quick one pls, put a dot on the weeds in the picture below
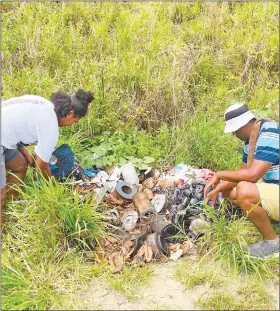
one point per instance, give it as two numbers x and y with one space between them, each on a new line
149 64
251 296
130 280
224 242
42 258
162 75
191 275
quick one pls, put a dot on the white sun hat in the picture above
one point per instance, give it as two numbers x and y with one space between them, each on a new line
236 116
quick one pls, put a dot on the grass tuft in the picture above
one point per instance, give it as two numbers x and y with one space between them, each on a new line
191 275
130 281
251 296
224 241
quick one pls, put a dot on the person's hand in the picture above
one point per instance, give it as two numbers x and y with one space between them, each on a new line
212 182
212 196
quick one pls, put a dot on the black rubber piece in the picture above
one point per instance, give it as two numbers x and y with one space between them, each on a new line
193 211
139 241
161 243
185 202
187 193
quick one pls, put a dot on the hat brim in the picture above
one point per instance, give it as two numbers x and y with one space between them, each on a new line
235 124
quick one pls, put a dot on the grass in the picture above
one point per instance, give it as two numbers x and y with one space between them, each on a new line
251 296
130 281
222 291
148 64
162 75
193 274
42 254
224 241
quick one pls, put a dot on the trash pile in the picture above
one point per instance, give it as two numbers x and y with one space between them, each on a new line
154 215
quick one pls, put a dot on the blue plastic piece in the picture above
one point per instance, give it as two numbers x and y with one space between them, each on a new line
65 162
89 173
201 203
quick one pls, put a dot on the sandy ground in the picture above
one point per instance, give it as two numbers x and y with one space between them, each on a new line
163 293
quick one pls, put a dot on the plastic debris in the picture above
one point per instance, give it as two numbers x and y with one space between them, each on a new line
176 255
145 219
158 202
129 220
129 174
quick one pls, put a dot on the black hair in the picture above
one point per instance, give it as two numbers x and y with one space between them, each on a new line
64 103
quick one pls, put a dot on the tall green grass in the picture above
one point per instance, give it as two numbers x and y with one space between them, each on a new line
224 239
46 235
148 64
162 75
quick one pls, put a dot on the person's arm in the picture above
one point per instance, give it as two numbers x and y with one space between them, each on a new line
43 167
252 174
47 135
220 187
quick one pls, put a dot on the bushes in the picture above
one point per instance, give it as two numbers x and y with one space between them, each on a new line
147 63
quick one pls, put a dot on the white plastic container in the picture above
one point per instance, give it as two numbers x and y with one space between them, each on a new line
129 174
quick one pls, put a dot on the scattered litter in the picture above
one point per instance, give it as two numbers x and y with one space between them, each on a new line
148 215
129 220
129 174
158 244
141 202
176 255
158 202
149 193
125 190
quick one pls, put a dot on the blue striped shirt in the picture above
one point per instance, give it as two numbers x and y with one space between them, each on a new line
267 149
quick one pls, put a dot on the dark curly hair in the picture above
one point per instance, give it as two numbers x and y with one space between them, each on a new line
64 103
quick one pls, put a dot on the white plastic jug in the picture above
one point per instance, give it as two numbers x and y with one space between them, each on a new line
129 174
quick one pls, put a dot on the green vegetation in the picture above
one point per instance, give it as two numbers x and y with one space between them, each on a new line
42 253
251 296
149 64
162 75
222 292
191 275
224 241
130 281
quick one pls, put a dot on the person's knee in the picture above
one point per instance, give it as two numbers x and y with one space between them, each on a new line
226 194
242 191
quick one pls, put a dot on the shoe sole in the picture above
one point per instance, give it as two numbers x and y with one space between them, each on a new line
269 256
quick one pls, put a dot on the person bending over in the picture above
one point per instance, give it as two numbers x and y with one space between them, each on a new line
32 119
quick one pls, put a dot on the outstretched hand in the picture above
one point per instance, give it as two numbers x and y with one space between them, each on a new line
212 196
211 183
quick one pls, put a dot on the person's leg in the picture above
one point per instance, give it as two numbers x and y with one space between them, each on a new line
230 194
17 164
248 199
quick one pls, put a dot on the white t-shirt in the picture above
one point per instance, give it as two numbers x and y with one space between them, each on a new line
29 119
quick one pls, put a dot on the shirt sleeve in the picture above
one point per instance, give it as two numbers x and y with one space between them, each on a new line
47 133
268 146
